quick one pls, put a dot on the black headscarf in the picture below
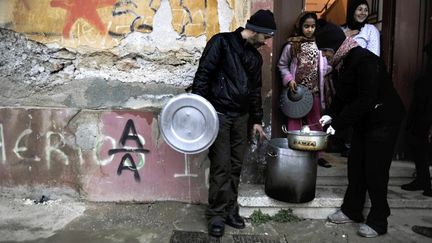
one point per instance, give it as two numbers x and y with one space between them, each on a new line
350 21
329 35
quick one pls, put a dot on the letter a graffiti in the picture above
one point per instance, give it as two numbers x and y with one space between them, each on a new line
131 167
129 133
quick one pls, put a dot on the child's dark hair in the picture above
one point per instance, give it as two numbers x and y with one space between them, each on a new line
302 18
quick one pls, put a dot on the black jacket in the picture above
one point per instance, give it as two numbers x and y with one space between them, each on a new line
365 96
419 117
229 76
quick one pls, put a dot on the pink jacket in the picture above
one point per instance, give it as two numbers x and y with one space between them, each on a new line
288 65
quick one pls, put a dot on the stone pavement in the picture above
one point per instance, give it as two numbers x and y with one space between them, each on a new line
64 219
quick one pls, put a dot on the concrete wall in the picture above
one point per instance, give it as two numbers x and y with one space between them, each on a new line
76 75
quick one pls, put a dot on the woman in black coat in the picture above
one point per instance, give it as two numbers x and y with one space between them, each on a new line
366 100
419 126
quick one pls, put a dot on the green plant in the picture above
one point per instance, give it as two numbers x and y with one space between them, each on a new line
259 217
285 216
282 216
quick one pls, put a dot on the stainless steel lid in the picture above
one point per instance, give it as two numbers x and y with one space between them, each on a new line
189 123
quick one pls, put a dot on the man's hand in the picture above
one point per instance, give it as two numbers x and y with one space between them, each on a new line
325 120
257 128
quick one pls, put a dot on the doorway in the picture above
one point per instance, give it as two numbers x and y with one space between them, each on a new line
286 12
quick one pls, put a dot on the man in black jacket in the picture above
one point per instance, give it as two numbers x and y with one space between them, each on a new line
366 100
229 76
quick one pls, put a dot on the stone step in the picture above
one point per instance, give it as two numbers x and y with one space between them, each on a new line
327 199
331 186
399 168
401 172
343 181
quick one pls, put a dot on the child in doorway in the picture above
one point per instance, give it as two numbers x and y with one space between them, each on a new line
302 63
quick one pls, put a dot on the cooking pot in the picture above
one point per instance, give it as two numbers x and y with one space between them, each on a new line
306 141
290 175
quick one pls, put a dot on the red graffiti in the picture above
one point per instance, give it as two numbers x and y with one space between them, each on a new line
85 9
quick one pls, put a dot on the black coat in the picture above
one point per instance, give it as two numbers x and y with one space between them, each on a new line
229 76
419 117
365 96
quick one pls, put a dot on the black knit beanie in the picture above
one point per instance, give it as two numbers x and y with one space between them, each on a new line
263 22
350 21
329 35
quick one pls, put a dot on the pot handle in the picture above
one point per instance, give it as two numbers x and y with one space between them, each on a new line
284 129
272 154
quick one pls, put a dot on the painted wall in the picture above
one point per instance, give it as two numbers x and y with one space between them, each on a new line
104 155
82 83
103 23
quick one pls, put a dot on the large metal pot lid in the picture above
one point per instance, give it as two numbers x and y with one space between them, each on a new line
189 123
296 105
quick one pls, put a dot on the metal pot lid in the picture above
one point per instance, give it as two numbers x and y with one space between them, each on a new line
189 123
296 105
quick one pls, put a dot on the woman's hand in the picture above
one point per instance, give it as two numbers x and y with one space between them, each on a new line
325 120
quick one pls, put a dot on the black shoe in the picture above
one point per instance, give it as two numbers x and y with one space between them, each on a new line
235 221
324 163
426 231
412 186
216 226
427 193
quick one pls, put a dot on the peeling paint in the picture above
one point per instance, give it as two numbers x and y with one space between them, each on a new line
86 136
225 16
102 24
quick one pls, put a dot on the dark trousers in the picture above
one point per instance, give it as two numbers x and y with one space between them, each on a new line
420 147
226 157
368 171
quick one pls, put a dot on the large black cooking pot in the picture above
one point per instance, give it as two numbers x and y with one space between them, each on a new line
290 175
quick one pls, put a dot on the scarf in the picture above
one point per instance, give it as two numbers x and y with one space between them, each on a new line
296 42
343 50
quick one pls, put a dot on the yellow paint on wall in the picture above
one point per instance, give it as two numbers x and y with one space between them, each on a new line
101 24
212 19
73 23
241 10
5 12
194 18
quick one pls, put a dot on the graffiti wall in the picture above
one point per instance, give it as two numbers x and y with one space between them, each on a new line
96 74
103 23
106 156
